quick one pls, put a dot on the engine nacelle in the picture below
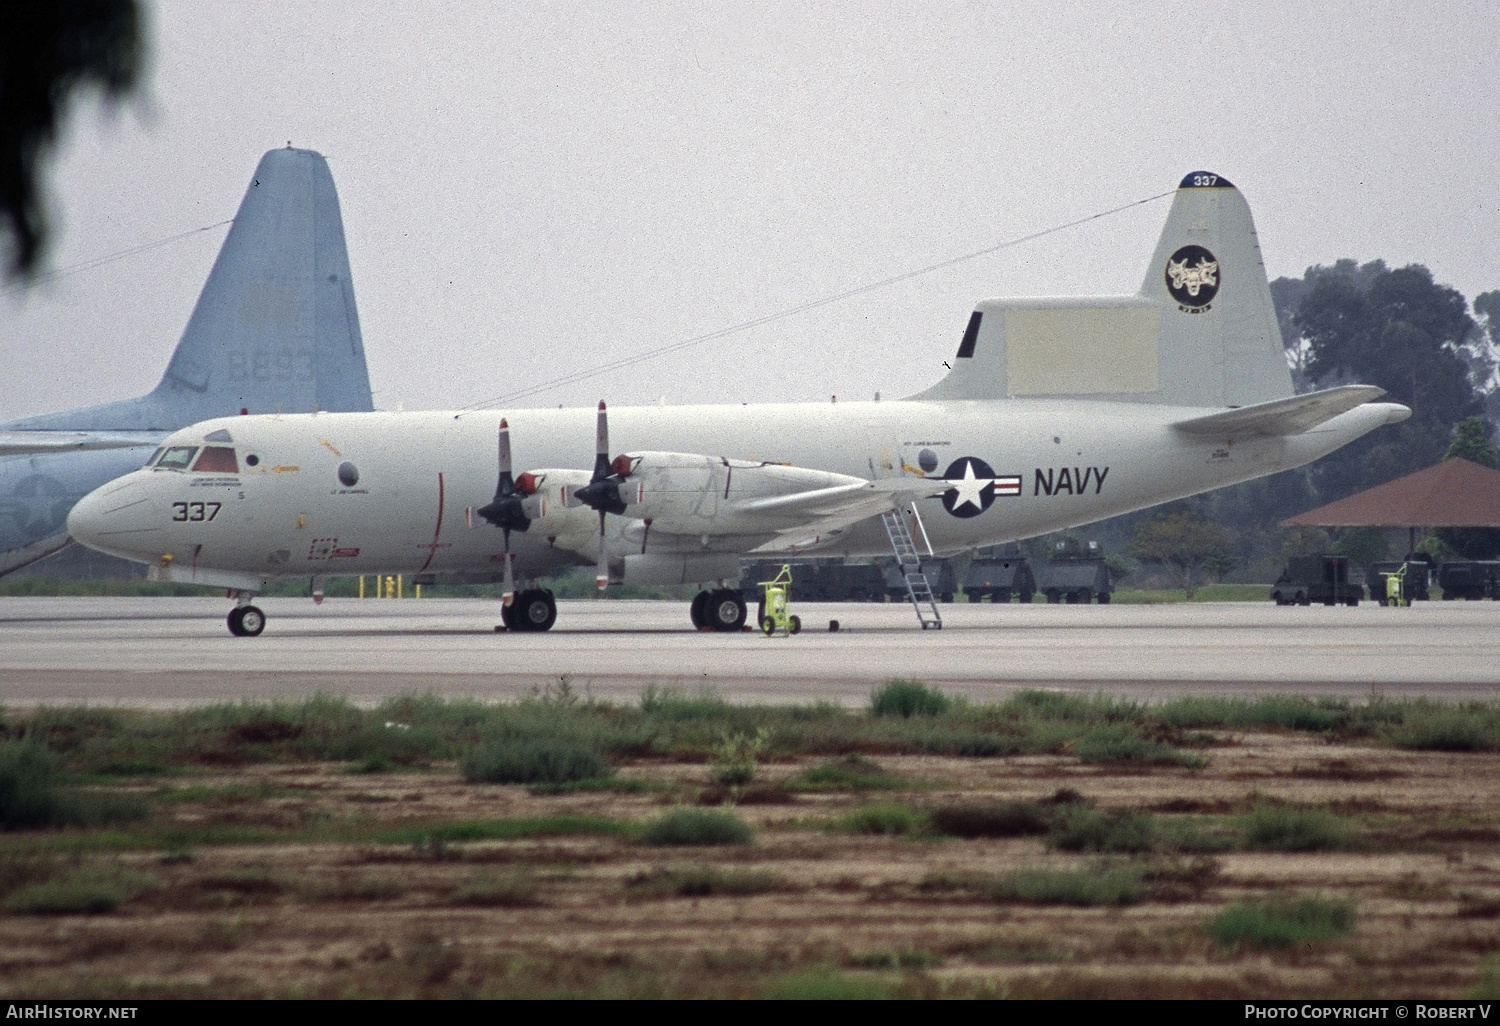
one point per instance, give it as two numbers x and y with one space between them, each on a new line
686 493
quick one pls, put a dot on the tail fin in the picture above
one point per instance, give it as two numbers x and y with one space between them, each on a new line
1201 332
275 327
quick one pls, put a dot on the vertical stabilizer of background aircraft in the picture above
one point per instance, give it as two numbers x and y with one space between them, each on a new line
1201 332
274 329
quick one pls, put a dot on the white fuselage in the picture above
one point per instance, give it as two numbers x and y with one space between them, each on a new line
422 476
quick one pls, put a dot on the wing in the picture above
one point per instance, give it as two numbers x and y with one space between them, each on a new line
23 443
1283 416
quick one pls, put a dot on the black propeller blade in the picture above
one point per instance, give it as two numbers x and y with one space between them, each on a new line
602 493
506 510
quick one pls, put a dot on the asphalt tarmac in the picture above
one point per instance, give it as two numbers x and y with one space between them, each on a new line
177 651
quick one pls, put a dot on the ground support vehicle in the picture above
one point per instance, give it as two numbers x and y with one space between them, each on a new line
1324 579
1414 585
1470 580
999 572
775 614
1076 574
818 580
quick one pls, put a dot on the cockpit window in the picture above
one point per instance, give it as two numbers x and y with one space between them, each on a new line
154 456
177 457
217 459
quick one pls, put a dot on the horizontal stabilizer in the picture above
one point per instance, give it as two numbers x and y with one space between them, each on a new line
24 443
25 555
1283 416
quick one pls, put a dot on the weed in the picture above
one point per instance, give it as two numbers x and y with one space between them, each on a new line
519 761
697 827
1488 987
1100 884
993 819
28 786
908 698
848 773
1280 923
1288 828
735 756
890 819
501 890
701 881
1080 828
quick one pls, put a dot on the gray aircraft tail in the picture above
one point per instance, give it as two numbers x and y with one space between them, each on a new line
275 327
1202 331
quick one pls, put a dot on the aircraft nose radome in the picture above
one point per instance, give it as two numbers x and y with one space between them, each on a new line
114 518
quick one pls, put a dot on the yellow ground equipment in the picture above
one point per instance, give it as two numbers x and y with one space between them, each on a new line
777 593
1395 588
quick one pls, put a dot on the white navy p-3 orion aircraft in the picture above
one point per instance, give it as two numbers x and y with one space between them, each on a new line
1056 413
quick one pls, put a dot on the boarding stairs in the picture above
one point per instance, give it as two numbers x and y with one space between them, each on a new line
910 565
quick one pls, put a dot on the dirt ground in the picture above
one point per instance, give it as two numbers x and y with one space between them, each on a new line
836 911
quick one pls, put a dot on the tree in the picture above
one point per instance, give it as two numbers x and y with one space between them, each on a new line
1181 543
1404 332
49 50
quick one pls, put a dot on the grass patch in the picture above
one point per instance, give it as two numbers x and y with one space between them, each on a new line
1101 884
908 698
827 985
1123 742
1080 828
994 819
848 773
697 827
888 819
1281 923
1288 828
1449 730
85 890
702 881
911 959
497 890
490 830
31 795
531 761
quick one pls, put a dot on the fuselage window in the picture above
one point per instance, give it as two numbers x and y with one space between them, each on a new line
217 459
154 456
177 457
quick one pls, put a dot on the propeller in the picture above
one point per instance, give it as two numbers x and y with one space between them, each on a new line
602 493
507 510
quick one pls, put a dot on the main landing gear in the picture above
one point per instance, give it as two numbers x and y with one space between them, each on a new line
246 621
531 610
722 609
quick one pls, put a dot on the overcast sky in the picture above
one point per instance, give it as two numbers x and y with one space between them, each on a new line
531 189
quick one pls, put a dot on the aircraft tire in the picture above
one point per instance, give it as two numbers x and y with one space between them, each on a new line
508 614
697 611
252 621
234 622
535 610
725 610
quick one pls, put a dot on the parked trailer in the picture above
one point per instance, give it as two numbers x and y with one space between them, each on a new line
1470 580
1324 579
816 580
1075 574
940 578
997 573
